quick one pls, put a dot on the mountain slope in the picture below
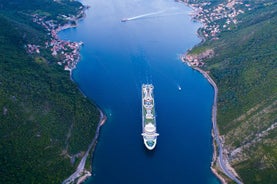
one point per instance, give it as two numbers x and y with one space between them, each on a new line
242 36
46 124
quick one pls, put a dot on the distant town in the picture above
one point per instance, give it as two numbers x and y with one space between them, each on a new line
210 16
214 19
67 50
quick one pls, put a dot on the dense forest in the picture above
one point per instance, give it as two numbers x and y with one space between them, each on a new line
244 67
46 123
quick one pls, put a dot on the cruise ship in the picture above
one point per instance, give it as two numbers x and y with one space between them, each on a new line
148 117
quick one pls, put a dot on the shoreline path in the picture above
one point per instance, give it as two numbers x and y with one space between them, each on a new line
222 162
80 171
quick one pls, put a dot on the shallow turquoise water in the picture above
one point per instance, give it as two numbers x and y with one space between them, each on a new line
117 58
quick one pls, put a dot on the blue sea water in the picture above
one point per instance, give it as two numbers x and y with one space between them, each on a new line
117 58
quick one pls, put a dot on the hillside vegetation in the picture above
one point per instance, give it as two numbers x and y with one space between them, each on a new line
244 67
46 124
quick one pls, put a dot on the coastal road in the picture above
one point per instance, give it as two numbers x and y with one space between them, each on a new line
80 169
221 160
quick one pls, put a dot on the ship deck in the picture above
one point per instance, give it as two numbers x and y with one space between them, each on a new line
148 117
148 105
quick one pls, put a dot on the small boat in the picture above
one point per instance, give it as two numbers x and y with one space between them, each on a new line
124 20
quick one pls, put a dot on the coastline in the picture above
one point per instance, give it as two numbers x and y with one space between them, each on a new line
219 160
214 113
64 108
68 52
76 19
242 118
81 174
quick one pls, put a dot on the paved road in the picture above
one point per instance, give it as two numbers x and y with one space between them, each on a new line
80 169
221 160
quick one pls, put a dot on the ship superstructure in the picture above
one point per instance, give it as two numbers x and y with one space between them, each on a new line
148 117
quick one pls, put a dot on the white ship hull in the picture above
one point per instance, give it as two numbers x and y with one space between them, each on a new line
148 117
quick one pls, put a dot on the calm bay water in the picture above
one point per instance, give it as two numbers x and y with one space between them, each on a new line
117 58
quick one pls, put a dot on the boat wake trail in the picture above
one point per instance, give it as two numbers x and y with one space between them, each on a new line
146 15
161 13
142 16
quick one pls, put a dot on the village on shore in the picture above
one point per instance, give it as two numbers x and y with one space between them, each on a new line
67 51
211 18
214 19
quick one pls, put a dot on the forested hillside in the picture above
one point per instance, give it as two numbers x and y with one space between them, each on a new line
244 67
46 124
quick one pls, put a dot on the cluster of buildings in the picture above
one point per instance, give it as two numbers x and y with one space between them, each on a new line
31 48
216 18
197 59
67 51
